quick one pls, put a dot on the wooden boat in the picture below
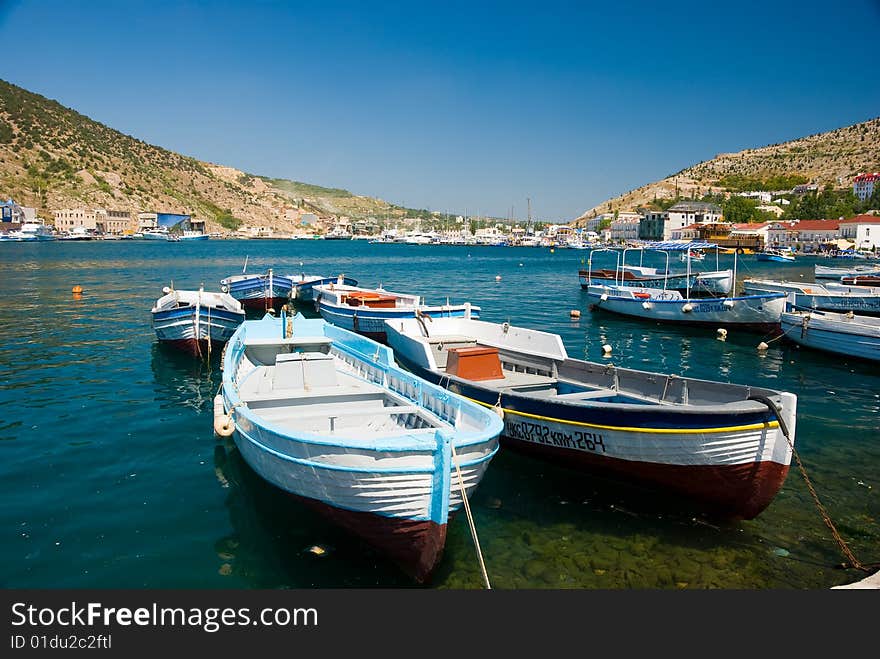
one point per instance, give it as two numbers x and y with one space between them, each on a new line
760 312
195 321
259 291
844 334
825 272
829 296
327 416
365 310
304 285
861 280
757 312
716 282
775 255
624 277
721 444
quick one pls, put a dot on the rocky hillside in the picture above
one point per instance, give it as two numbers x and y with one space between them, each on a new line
831 158
52 157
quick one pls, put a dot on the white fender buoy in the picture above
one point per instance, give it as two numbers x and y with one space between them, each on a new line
646 305
574 313
223 424
688 307
722 334
497 277
762 346
606 349
728 303
499 411
603 297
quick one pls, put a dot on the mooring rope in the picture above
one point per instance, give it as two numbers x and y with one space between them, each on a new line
854 562
470 518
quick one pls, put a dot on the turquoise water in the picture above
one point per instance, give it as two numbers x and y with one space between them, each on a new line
111 475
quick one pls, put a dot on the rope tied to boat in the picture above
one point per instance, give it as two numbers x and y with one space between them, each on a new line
853 561
470 518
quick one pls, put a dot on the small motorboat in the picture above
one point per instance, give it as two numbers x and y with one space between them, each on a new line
775 255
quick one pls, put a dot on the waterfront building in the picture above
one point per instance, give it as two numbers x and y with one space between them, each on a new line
782 234
685 213
811 234
865 184
68 219
652 224
13 213
625 228
863 230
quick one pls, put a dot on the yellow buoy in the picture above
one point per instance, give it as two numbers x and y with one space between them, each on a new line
574 313
77 290
762 346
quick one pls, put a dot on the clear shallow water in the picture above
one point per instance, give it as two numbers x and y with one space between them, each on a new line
111 476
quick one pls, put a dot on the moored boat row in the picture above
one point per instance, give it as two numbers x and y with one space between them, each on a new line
323 412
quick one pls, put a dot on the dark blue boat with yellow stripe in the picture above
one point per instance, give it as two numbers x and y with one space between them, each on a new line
726 446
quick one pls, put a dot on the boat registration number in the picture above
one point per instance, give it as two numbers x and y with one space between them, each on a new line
540 433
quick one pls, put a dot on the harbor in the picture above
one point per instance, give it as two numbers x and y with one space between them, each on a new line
117 479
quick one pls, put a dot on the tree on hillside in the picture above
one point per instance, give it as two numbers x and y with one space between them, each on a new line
740 210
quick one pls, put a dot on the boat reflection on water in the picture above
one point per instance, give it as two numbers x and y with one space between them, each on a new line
183 381
278 542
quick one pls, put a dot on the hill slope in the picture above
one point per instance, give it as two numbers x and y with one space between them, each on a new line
831 158
52 157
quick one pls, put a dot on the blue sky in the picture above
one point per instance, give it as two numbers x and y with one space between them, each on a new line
454 106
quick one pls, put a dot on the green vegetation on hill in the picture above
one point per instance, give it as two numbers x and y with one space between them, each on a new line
742 183
305 189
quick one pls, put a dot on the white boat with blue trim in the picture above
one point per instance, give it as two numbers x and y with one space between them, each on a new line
775 255
304 285
826 272
30 232
758 312
726 446
261 291
829 296
327 416
195 321
365 310
846 334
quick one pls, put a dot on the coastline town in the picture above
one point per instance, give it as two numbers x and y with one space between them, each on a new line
684 221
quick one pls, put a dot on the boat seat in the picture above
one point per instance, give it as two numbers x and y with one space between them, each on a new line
587 395
298 370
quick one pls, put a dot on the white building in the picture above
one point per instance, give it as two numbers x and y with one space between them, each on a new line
813 233
864 185
771 208
763 197
625 229
863 230
686 213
